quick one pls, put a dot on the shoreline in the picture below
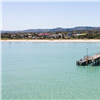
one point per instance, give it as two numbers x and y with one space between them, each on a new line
70 40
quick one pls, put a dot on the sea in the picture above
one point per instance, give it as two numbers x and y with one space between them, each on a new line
48 70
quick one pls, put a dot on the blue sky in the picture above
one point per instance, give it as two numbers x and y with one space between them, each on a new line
47 15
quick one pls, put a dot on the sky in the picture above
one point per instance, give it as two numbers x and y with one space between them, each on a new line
47 15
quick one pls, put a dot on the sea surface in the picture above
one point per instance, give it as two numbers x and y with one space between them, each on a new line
48 71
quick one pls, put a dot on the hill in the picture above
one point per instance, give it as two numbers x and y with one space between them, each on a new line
59 29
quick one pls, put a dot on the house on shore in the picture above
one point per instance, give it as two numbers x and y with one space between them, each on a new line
66 37
78 34
34 37
54 36
22 36
59 35
70 34
44 35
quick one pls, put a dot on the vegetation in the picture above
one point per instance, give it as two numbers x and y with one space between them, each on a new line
85 34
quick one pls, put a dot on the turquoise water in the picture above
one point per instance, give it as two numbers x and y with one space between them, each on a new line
48 71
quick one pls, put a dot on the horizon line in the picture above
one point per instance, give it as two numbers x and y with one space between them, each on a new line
49 28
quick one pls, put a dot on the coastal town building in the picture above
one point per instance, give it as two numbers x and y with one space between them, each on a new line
66 37
44 34
60 35
54 36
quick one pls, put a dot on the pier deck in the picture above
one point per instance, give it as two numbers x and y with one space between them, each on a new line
89 60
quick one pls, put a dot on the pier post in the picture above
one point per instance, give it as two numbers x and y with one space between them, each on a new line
89 61
78 64
86 61
97 60
92 62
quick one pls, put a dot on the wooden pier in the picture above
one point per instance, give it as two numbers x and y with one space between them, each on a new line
89 60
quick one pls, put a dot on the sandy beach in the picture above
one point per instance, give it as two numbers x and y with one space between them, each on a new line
78 40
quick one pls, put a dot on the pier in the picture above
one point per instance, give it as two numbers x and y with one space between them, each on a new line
95 59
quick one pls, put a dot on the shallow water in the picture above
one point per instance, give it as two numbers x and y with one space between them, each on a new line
48 71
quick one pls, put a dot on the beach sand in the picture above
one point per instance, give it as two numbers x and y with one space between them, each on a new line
60 40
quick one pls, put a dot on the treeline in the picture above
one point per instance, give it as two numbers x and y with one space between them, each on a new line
93 34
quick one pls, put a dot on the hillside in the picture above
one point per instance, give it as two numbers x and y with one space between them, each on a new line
59 29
